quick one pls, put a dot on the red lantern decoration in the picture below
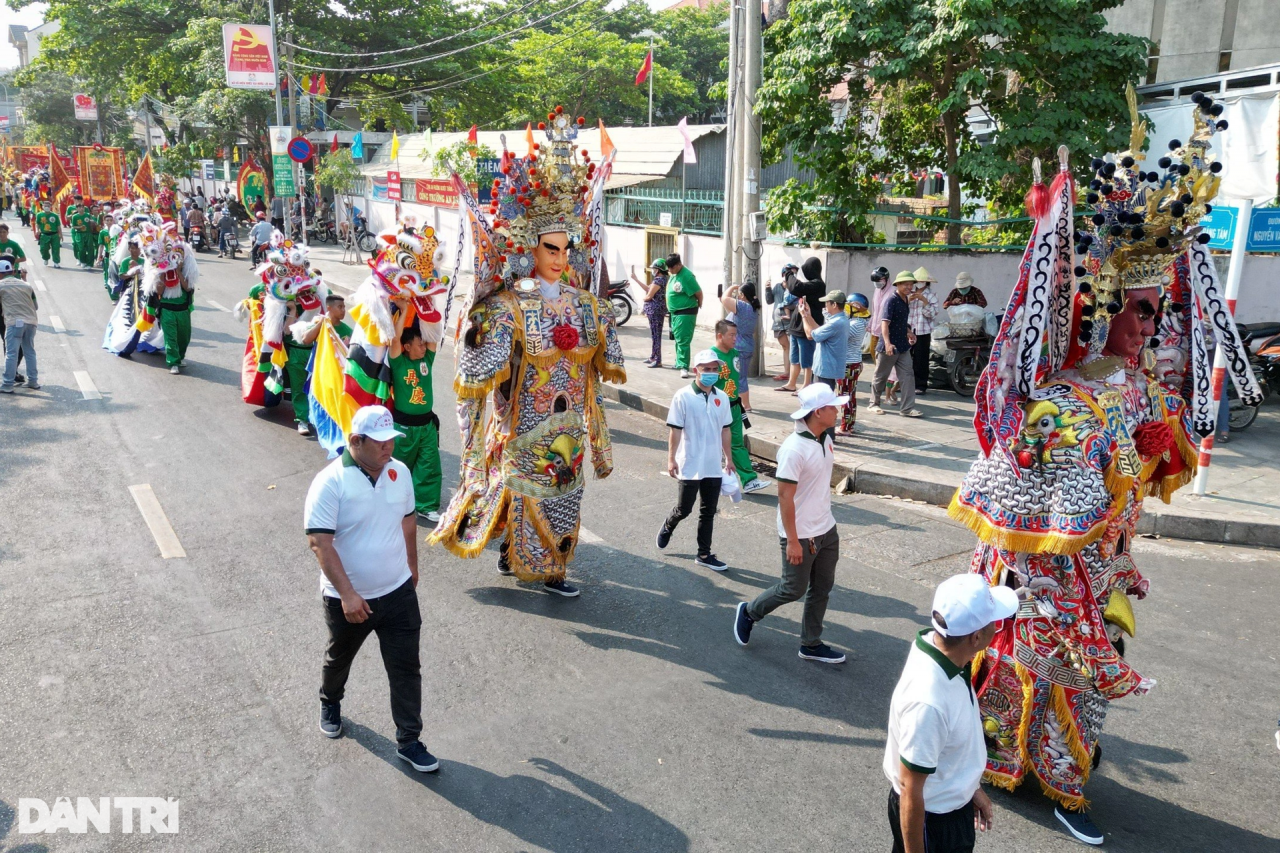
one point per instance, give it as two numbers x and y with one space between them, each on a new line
582 120
542 125
559 110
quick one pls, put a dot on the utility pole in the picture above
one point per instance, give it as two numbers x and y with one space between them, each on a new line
146 118
293 125
275 45
741 109
751 248
730 134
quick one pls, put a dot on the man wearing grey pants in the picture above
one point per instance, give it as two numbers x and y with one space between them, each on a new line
894 349
806 527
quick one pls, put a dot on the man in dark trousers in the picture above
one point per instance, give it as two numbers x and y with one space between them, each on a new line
811 290
893 349
362 526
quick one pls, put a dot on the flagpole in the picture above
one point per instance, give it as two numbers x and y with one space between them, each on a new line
650 81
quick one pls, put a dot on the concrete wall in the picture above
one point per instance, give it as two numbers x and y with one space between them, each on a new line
1191 37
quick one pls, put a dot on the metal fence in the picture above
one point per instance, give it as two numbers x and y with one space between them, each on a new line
899 226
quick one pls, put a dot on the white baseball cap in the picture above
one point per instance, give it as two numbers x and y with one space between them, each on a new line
705 356
814 397
375 422
968 603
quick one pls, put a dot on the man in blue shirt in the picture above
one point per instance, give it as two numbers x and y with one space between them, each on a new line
894 348
831 337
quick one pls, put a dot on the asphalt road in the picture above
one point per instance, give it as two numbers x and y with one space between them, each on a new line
625 720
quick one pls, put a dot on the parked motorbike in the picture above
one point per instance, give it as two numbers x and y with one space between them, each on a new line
621 300
961 347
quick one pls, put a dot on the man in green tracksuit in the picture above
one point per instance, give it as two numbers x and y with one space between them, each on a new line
82 222
726 336
412 360
176 304
49 229
103 247
684 298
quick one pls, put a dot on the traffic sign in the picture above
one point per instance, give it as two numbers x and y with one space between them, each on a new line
1220 224
300 149
393 186
1264 230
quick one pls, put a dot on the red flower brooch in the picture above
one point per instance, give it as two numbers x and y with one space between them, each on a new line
1153 439
565 337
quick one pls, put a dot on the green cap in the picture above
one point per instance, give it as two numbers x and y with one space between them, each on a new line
905 276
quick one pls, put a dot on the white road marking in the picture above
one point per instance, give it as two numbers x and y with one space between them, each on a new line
40 285
157 521
213 304
585 535
56 322
87 388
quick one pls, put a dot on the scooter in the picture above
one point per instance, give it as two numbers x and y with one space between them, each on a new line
197 238
232 243
621 300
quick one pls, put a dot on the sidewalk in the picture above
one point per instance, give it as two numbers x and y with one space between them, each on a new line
926 458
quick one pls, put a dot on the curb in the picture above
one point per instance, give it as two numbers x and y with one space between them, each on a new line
872 478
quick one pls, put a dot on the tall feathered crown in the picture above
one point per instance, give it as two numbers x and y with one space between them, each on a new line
543 192
1142 220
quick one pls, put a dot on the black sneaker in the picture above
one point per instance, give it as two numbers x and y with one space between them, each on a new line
742 624
504 566
568 590
822 653
330 719
417 757
711 561
664 537
1080 825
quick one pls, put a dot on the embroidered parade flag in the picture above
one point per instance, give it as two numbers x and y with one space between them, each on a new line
645 69
144 180
690 156
395 145
357 147
101 171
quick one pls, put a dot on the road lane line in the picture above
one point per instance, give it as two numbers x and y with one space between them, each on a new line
87 388
213 304
585 535
157 521
58 329
40 285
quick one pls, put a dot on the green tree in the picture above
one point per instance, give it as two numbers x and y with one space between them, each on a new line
461 158
49 114
1048 73
337 171
693 45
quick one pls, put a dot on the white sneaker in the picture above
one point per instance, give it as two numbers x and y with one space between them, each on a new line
684 374
433 517
304 429
756 485
875 410
57 266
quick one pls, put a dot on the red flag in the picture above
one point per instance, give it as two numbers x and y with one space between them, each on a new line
323 88
60 185
472 137
643 74
528 137
333 146
606 144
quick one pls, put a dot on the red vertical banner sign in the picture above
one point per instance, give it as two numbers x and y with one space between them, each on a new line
393 186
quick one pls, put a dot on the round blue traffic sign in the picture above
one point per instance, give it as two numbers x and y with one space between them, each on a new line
300 149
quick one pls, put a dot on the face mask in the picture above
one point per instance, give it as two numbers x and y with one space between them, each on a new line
880 285
708 379
920 285
964 290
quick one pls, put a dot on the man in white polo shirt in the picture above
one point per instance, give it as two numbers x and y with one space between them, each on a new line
807 529
361 524
699 444
936 752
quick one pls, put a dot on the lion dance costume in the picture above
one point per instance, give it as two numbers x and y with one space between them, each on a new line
1074 438
344 378
167 262
539 352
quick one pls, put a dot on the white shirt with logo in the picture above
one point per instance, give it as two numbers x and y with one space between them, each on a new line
701 418
807 461
365 520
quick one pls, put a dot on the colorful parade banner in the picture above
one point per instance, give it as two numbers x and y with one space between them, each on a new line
439 193
28 157
251 182
61 187
144 181
101 171
250 56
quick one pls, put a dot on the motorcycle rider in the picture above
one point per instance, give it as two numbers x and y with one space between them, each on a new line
226 226
259 236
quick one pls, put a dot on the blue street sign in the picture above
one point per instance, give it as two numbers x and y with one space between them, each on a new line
208 171
1221 225
1264 230
488 169
300 149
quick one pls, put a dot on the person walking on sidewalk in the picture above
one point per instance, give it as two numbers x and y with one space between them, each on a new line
412 372
923 303
936 749
359 520
806 528
49 230
726 334
655 308
699 453
684 298
830 336
893 350
742 307
18 320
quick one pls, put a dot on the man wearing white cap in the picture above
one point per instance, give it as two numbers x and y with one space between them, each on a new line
936 751
806 528
699 453
361 524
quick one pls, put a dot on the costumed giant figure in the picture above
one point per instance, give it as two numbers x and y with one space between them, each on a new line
1095 397
536 343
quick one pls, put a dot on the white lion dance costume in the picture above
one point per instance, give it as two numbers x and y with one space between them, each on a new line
167 262
346 378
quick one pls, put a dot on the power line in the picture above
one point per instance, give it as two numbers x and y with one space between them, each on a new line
478 26
375 68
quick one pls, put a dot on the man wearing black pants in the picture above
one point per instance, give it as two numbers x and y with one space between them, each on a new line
698 453
361 524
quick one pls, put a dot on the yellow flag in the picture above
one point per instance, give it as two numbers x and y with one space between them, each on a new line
395 145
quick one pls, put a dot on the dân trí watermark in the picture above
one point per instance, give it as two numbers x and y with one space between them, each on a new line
104 814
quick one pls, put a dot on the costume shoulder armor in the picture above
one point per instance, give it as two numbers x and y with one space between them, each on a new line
484 359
